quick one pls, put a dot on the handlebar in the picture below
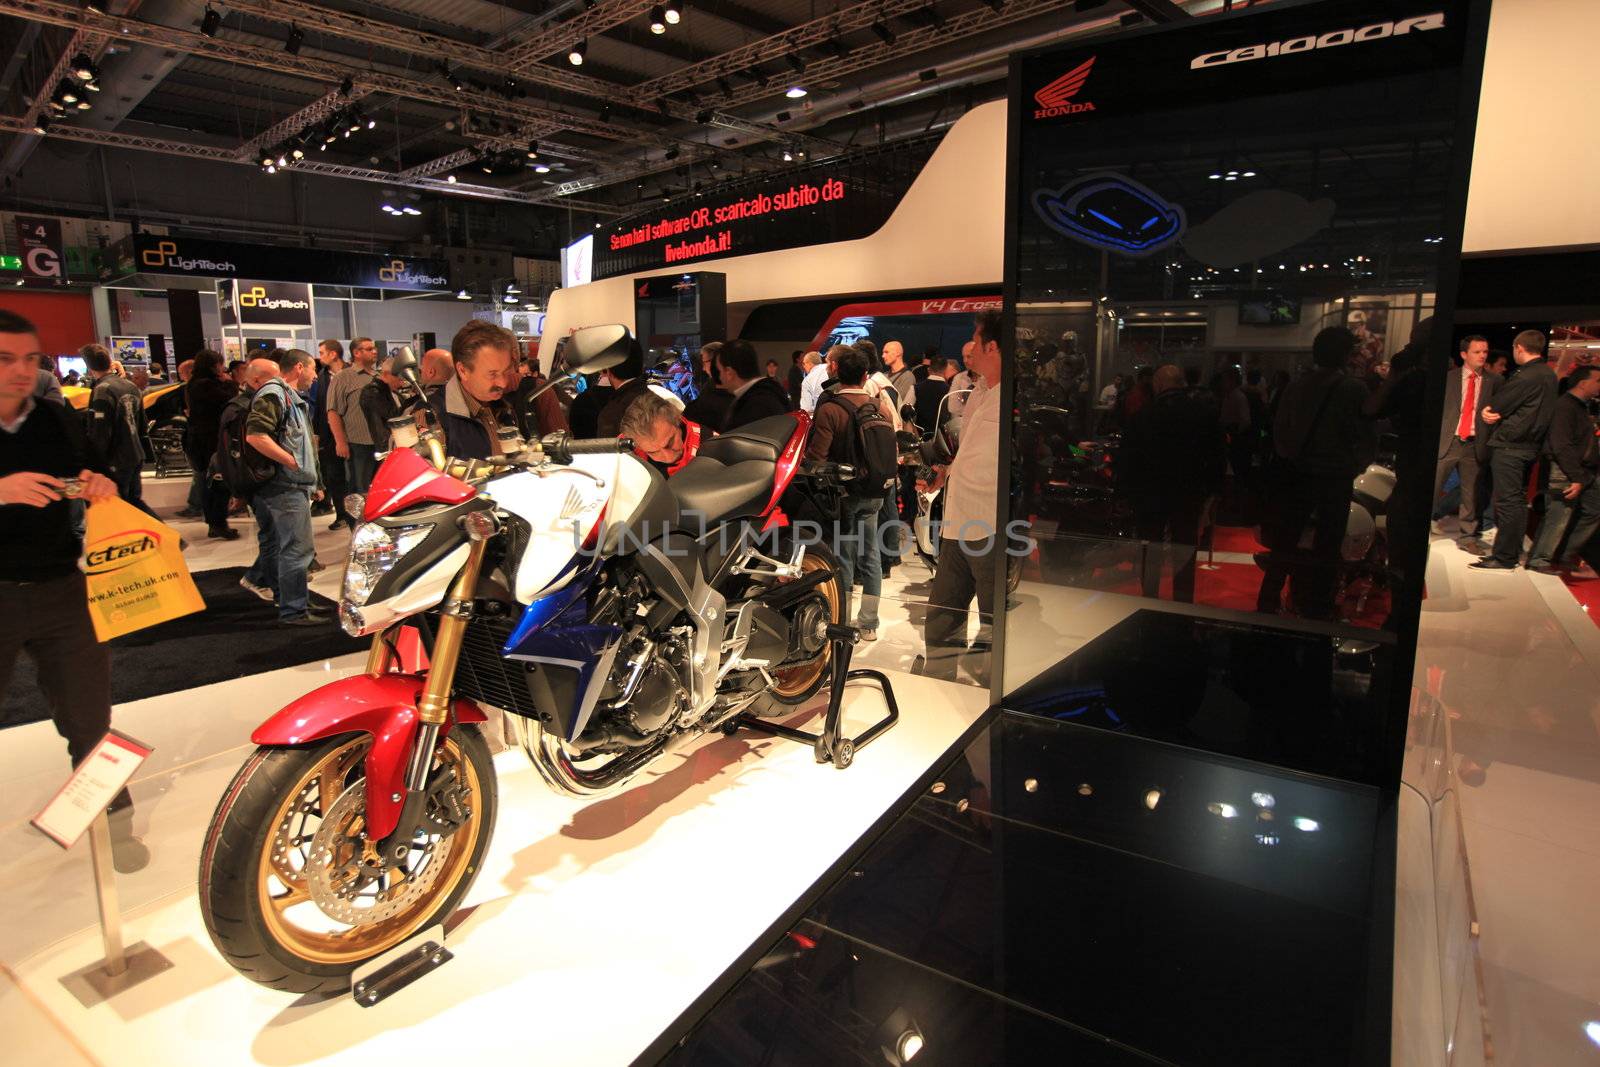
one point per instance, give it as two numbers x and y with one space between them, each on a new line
561 446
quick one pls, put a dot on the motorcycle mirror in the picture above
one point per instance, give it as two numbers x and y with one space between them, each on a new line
598 348
908 412
403 365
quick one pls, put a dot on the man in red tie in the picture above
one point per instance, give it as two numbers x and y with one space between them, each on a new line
1467 391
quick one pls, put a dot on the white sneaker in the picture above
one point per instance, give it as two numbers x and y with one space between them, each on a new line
259 590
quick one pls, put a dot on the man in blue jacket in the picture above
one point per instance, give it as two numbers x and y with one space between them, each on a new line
470 406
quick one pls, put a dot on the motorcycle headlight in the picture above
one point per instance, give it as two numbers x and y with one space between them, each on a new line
374 550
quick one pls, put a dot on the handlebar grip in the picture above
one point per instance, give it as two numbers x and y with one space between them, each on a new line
561 447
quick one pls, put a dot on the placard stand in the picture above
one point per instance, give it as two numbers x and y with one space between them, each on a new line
122 968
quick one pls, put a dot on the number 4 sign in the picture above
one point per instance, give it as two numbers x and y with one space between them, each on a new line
39 241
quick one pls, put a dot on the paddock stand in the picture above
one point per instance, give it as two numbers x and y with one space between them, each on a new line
829 746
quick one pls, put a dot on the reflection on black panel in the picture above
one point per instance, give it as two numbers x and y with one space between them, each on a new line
1300 700
1066 896
1225 254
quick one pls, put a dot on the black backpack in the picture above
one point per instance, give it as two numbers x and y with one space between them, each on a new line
871 448
243 468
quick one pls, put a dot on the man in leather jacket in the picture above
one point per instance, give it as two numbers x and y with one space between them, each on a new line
1573 496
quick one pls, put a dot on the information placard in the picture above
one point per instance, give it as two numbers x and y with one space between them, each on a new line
93 785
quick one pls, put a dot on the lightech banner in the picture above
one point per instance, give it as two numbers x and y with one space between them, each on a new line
813 205
144 253
39 241
251 303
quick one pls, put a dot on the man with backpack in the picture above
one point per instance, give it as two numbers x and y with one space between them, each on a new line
116 424
852 428
278 428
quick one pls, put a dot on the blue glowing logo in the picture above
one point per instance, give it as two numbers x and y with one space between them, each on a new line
1113 212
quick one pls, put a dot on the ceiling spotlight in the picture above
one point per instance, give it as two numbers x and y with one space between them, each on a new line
372 124
510 298
703 117
674 12
266 161
84 68
579 50
533 149
885 34
84 105
41 125
411 210
658 19
451 178
283 160
788 156
347 87
92 86
725 86
272 168
672 153
68 96
298 153
795 92
390 209
487 166
462 294
454 80
1248 174
297 37
794 60
542 168
210 21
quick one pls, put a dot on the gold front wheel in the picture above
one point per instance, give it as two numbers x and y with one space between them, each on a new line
295 897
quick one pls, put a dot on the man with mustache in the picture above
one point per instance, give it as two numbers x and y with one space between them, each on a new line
470 405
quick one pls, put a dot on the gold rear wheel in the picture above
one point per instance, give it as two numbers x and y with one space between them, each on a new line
798 682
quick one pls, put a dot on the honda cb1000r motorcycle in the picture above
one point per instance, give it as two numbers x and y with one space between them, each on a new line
613 614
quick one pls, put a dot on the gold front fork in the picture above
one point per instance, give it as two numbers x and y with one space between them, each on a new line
379 657
434 707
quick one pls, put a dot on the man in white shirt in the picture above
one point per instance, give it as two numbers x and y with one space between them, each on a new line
811 386
971 544
1467 390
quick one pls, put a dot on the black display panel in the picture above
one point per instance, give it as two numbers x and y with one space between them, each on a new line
805 206
1196 212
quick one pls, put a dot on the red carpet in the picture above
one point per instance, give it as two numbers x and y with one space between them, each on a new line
1586 591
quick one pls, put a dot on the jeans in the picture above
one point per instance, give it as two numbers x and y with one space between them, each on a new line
1584 516
1155 518
74 668
284 546
1510 468
360 467
857 543
966 569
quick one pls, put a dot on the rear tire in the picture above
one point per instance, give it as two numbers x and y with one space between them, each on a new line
799 683
252 843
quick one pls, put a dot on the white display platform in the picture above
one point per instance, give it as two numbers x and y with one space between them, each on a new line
593 925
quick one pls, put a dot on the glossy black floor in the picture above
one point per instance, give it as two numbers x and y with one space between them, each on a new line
1068 895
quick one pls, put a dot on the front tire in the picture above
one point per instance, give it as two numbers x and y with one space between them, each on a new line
280 885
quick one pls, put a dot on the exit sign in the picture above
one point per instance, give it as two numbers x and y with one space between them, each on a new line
10 262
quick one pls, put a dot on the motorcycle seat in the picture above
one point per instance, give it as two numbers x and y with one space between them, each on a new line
722 491
763 439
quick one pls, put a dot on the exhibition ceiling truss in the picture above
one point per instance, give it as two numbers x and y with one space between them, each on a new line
734 97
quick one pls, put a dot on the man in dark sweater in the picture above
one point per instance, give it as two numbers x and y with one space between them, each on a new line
833 439
755 396
42 593
116 424
209 391
1324 437
1517 423
1574 464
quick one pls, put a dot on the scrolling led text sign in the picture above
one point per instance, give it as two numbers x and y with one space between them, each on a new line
724 221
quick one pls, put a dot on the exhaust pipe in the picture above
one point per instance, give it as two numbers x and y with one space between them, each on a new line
555 765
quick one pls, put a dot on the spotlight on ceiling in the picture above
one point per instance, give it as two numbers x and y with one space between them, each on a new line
788 156
703 117
283 160
410 209
451 178
389 209
296 38
347 87
210 21
658 19
672 153
462 294
68 96
795 92
298 153
83 67
674 12
41 125
579 50
533 149
266 161
542 168
92 86
885 34
84 105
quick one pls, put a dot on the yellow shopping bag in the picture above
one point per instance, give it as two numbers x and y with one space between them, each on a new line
135 570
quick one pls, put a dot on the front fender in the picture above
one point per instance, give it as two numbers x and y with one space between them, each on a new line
385 708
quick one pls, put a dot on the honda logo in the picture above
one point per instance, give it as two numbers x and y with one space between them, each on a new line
1056 98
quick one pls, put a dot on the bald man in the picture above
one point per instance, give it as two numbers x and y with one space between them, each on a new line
438 367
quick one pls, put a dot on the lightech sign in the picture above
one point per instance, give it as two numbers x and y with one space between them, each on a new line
265 303
1376 31
166 259
156 254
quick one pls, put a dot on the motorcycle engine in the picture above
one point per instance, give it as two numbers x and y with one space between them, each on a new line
644 694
